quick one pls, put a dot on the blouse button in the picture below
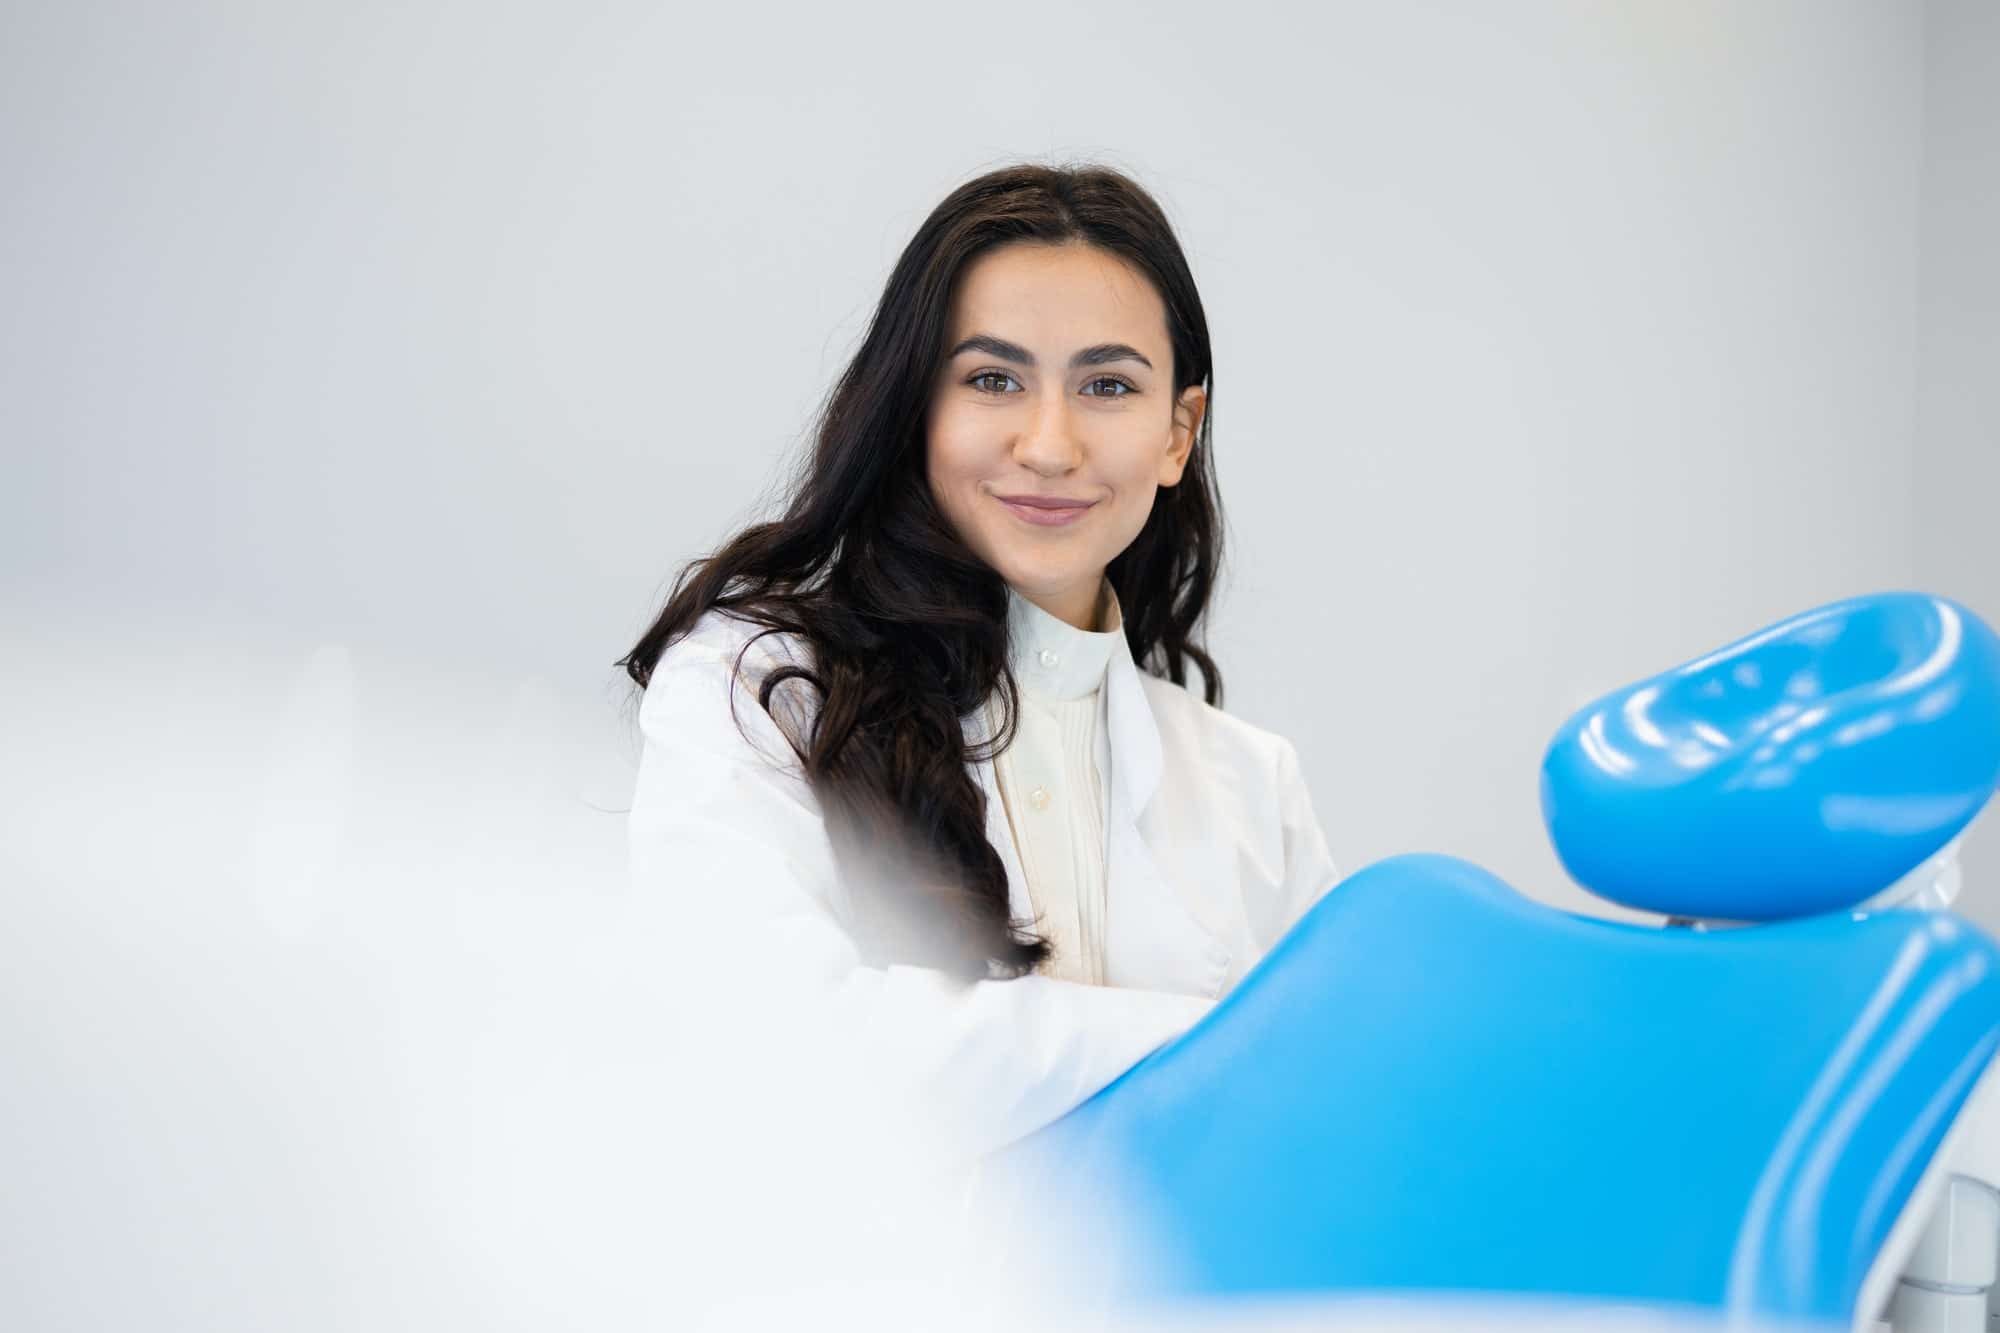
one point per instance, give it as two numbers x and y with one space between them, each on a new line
1047 658
1039 798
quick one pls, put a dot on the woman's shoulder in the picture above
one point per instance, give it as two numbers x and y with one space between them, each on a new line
716 672
1191 724
720 637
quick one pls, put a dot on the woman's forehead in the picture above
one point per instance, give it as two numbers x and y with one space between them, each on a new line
1048 297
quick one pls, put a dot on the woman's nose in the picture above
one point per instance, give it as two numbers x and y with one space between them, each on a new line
1048 443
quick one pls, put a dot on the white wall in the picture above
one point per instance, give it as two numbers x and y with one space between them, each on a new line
1551 349
368 369
1956 520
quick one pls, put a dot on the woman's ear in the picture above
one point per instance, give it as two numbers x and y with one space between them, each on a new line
1187 425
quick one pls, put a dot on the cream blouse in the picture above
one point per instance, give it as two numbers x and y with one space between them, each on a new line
1055 778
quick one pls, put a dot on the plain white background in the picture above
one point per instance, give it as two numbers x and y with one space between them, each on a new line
1555 342
368 369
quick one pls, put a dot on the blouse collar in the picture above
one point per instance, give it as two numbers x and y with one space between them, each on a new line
1054 659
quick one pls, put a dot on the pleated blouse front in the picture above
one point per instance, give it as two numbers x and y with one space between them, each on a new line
1055 777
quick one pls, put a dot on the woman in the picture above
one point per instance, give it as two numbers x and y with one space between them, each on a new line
899 747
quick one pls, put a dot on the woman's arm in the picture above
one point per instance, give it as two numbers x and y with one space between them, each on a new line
732 843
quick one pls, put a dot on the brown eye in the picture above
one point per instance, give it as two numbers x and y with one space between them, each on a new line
1124 387
977 381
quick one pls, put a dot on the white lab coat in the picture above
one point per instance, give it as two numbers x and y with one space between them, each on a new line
1213 850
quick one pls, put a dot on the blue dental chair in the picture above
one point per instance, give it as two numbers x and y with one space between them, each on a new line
1780 1106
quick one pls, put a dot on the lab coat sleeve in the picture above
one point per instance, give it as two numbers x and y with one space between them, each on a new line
727 838
1309 866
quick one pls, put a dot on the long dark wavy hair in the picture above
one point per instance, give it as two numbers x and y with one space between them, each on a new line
906 626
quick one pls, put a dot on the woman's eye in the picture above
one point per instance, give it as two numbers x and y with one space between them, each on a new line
1104 386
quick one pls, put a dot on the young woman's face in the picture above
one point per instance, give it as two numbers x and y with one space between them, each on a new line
1057 386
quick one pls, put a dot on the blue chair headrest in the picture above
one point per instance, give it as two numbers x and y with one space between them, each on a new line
1799 770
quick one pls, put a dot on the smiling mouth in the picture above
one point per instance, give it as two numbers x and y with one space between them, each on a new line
1046 512
1046 501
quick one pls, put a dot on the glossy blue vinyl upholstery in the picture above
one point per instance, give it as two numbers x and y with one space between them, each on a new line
1433 1084
1797 770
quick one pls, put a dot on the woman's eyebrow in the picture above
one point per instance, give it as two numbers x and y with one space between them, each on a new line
1089 356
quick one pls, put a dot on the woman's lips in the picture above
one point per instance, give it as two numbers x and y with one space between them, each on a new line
1049 514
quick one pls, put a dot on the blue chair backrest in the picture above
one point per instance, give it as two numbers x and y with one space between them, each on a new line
1433 1083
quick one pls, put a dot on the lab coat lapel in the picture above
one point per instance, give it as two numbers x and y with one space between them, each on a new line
1152 940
